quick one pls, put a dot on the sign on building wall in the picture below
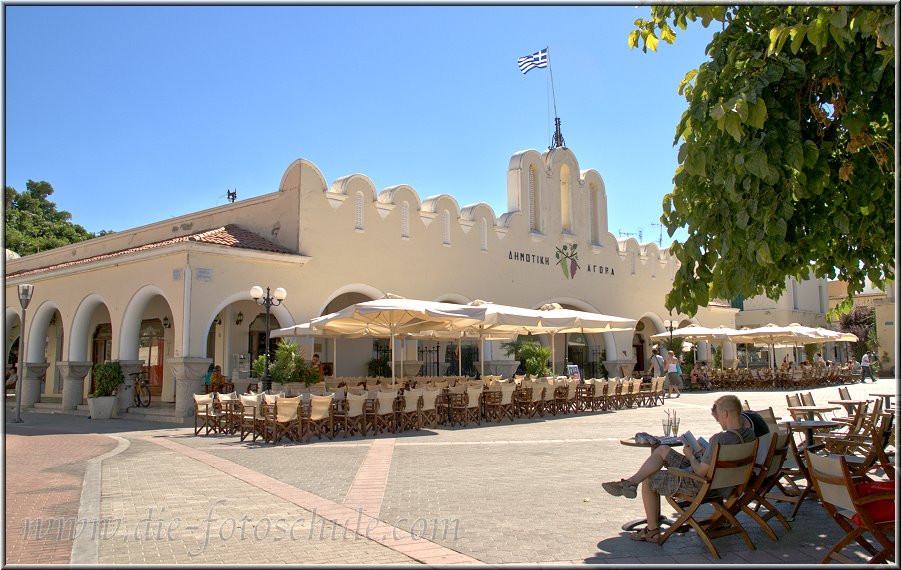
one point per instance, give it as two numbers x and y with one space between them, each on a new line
567 260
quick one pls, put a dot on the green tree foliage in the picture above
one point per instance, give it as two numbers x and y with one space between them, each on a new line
34 224
531 353
786 163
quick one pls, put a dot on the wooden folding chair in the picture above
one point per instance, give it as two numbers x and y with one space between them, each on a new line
320 419
838 494
206 415
429 410
350 418
730 467
507 406
253 419
473 410
757 494
410 416
287 420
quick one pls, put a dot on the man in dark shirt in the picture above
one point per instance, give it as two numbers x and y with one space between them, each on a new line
656 481
755 421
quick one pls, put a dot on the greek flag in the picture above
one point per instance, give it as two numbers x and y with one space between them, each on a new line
530 62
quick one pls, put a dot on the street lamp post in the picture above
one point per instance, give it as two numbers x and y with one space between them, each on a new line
268 301
670 326
25 293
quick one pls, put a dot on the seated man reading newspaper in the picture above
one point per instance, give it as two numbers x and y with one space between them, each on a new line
656 481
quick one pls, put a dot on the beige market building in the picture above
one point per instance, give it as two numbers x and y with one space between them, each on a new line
173 296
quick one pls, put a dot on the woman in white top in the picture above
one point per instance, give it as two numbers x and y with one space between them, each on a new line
672 375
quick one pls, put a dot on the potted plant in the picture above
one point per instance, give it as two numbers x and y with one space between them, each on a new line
532 354
379 367
102 401
289 369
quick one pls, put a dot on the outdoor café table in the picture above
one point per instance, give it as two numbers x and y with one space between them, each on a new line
850 405
810 411
808 426
633 524
886 398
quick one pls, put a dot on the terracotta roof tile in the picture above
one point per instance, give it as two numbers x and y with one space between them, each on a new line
231 235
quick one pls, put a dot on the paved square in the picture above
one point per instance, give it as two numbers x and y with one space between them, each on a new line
521 492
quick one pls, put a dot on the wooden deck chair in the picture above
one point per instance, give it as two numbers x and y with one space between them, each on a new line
320 419
730 467
840 496
549 396
491 403
507 404
253 418
473 410
385 418
844 393
287 420
228 404
206 414
410 416
762 508
635 397
599 397
767 461
864 452
429 408
793 401
350 418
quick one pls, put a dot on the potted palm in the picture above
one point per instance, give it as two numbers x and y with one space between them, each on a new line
102 401
289 369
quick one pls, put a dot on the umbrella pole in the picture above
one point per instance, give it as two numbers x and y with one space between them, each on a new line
335 357
481 356
460 356
392 358
553 355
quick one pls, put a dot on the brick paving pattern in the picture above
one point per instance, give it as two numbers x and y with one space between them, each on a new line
522 492
44 475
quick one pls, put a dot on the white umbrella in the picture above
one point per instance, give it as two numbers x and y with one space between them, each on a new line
306 330
697 332
397 316
773 334
560 320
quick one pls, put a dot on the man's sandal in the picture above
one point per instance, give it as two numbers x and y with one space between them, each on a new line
647 535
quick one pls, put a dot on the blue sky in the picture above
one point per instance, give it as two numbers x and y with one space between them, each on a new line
138 114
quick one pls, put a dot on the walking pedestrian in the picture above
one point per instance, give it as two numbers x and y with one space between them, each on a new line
656 364
865 368
673 375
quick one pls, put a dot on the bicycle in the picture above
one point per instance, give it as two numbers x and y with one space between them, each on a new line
141 390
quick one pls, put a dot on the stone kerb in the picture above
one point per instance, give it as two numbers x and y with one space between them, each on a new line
188 372
126 392
32 381
73 374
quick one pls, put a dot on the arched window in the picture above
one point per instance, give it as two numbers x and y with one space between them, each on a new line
405 220
534 203
483 233
446 227
565 200
593 214
358 211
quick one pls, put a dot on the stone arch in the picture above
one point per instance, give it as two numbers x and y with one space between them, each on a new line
361 288
453 298
36 343
13 322
129 331
80 333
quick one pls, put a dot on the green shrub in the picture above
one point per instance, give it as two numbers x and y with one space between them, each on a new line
289 365
107 377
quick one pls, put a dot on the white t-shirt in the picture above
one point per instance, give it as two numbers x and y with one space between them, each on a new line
865 360
657 361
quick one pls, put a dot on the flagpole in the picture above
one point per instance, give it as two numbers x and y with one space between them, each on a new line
558 136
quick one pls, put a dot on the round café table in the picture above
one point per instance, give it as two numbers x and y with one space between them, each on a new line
662 520
886 398
807 426
851 406
811 411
